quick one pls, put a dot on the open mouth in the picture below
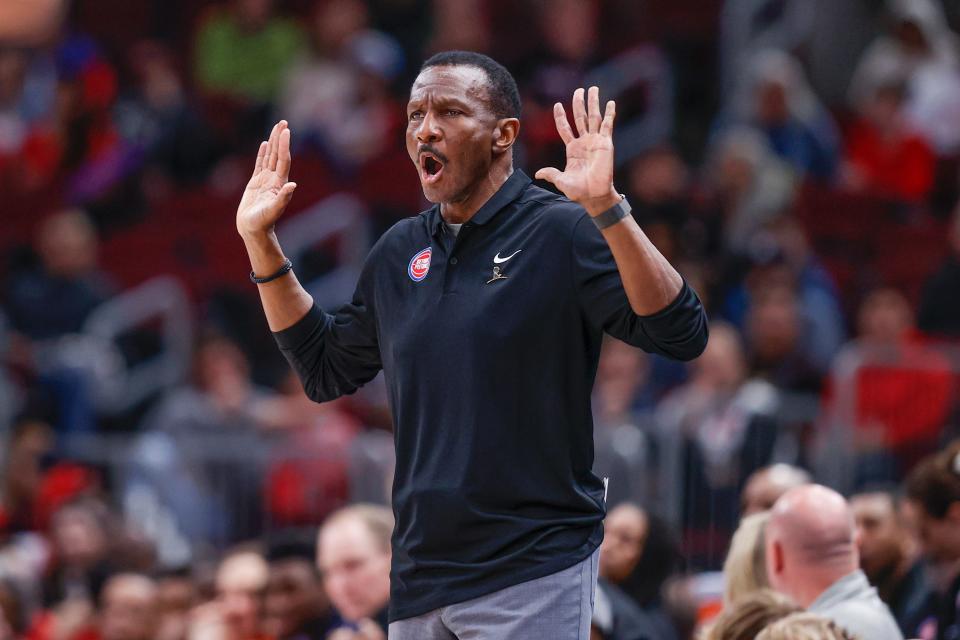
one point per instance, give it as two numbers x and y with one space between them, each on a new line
431 167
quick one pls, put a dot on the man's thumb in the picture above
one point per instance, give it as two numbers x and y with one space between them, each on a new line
548 173
286 191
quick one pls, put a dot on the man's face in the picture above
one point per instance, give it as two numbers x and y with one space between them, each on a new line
129 610
356 570
292 598
760 494
879 535
450 131
240 585
938 537
624 536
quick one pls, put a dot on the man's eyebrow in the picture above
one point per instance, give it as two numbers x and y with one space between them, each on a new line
438 98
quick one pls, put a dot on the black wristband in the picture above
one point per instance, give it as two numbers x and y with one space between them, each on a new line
283 270
613 215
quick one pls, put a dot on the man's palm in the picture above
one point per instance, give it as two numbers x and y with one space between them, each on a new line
268 192
588 174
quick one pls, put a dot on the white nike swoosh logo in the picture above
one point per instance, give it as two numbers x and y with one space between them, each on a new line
497 259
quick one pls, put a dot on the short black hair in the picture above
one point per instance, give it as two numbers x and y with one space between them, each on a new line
503 95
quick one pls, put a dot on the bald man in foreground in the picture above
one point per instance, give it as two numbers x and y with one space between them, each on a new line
812 557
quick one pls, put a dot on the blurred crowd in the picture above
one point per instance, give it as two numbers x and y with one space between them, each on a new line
163 474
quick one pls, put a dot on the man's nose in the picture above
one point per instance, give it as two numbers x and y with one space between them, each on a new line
428 131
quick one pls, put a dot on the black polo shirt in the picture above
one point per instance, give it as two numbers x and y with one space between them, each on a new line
489 343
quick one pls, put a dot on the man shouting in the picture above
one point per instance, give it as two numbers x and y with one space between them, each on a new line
485 313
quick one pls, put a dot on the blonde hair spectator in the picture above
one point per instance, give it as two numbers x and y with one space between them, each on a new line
806 626
745 568
749 615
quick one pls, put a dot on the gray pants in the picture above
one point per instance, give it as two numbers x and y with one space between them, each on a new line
555 607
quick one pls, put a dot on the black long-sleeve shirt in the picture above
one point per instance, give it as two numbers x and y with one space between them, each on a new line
489 344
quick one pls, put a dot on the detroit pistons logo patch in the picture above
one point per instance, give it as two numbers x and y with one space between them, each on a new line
419 265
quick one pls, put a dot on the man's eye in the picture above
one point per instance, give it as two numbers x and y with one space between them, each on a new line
454 112
416 115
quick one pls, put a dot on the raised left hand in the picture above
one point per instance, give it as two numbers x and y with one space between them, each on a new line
588 177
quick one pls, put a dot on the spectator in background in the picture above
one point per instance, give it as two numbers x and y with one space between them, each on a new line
240 582
624 536
637 556
129 608
932 493
890 558
353 553
776 333
811 557
48 306
750 186
617 614
566 36
939 313
235 612
295 606
243 50
336 94
622 446
13 611
920 47
77 150
777 100
460 26
658 185
749 615
902 392
724 422
765 486
806 626
819 298
156 115
617 617
22 479
197 455
745 569
27 93
779 259
55 297
308 472
84 552
884 154
177 595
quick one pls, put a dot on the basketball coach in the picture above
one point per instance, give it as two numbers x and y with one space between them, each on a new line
486 314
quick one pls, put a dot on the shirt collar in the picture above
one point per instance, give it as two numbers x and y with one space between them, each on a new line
850 587
509 191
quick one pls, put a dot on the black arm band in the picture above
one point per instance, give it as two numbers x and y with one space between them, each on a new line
613 215
287 266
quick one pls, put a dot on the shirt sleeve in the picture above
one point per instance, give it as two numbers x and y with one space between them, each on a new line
335 354
678 331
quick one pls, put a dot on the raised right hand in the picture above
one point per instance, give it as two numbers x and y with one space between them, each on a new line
268 192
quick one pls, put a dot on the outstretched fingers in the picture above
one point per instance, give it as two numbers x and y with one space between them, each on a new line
283 161
580 112
606 127
273 155
261 157
563 125
593 110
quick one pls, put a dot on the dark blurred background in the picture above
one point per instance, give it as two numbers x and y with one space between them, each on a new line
799 161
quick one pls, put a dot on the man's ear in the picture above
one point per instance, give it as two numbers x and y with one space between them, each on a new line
776 558
505 134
